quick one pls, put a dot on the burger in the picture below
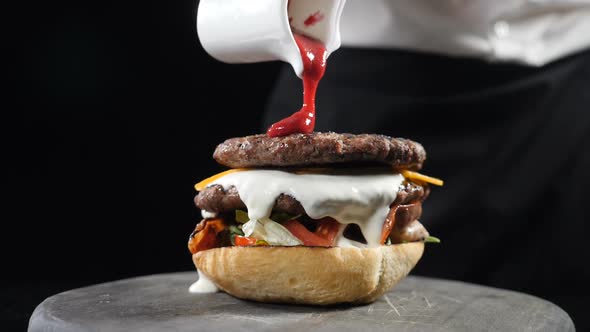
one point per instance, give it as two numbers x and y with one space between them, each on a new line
319 218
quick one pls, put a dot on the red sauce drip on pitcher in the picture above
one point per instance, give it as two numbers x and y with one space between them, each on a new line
313 19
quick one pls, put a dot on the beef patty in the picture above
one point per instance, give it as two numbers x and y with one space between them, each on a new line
329 148
216 199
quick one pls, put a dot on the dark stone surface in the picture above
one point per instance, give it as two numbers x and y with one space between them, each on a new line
163 303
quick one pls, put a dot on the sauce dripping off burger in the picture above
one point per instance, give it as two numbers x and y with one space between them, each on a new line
313 54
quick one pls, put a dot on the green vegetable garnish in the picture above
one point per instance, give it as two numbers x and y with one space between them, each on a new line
235 230
432 239
281 217
261 243
242 216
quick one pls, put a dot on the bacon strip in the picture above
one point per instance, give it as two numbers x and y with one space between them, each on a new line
388 224
398 219
207 237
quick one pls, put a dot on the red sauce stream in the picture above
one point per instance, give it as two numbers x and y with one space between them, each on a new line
313 53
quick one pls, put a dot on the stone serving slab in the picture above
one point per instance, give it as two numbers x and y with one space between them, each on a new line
162 303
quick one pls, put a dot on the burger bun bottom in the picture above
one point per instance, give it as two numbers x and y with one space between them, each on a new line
308 275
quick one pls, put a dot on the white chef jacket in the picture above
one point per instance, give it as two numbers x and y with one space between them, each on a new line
531 32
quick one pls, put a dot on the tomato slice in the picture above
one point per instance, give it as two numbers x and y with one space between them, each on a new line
243 241
327 229
324 236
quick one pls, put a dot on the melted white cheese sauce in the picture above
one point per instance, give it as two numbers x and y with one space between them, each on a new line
362 199
203 285
207 214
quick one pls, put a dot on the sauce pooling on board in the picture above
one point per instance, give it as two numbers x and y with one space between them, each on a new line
313 54
203 285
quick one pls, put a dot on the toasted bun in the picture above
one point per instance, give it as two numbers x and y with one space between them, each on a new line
308 275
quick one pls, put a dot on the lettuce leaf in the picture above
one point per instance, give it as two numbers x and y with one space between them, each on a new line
432 239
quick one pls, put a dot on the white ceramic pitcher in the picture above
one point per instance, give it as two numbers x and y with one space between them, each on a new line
245 31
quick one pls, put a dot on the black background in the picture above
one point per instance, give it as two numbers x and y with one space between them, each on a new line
112 113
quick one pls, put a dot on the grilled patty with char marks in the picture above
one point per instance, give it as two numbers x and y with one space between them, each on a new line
326 149
215 199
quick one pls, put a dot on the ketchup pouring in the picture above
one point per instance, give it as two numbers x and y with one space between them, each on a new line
313 54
